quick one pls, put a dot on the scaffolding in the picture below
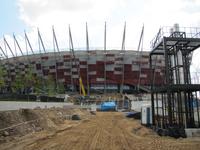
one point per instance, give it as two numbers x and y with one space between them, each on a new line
176 103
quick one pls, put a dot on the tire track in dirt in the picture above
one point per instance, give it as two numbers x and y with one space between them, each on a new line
105 131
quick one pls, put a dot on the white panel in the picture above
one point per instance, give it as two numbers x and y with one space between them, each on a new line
75 76
92 73
74 70
83 66
145 66
135 68
61 80
117 72
143 75
52 70
67 73
67 63
60 67
67 67
100 79
110 67
13 73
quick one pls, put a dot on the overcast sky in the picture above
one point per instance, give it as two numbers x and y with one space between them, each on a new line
19 15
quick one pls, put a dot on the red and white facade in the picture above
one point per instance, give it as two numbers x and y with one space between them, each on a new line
111 67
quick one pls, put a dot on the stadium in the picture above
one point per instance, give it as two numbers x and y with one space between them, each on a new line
101 70
123 71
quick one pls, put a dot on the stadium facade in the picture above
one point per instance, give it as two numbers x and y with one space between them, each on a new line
112 70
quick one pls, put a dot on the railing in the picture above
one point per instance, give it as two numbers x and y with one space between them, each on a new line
167 31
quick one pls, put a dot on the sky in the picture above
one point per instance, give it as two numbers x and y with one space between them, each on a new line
19 15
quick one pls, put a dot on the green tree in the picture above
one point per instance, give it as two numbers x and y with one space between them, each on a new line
51 85
2 77
18 83
60 88
38 84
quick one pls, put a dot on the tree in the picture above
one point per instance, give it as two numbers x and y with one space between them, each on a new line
51 85
18 83
2 75
60 88
24 82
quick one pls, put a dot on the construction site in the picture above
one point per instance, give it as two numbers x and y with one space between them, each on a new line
101 99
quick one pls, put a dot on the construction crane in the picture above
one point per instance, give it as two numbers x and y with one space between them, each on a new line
81 86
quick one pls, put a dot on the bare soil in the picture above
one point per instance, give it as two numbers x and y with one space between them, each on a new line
103 131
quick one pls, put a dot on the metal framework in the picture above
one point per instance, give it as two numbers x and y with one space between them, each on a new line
176 103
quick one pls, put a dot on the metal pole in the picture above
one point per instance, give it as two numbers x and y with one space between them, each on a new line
167 80
55 45
40 39
3 52
39 42
72 82
87 47
140 45
105 78
6 44
27 40
73 53
152 94
123 53
15 40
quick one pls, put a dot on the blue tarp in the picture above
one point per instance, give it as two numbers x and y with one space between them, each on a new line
106 106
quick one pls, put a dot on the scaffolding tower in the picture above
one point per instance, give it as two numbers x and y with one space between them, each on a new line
176 104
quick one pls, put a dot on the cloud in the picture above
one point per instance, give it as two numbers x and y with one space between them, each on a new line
31 10
61 13
191 7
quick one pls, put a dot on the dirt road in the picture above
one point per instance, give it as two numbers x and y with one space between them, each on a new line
105 131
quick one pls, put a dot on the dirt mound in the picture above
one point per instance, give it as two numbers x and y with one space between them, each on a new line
9 118
23 121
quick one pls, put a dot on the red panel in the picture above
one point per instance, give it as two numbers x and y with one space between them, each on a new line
45 72
92 67
38 66
109 62
44 58
110 55
67 79
83 62
128 67
66 56
100 63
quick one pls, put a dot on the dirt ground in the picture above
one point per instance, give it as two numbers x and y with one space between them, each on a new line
105 130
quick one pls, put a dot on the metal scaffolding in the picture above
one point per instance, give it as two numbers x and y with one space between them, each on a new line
176 103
